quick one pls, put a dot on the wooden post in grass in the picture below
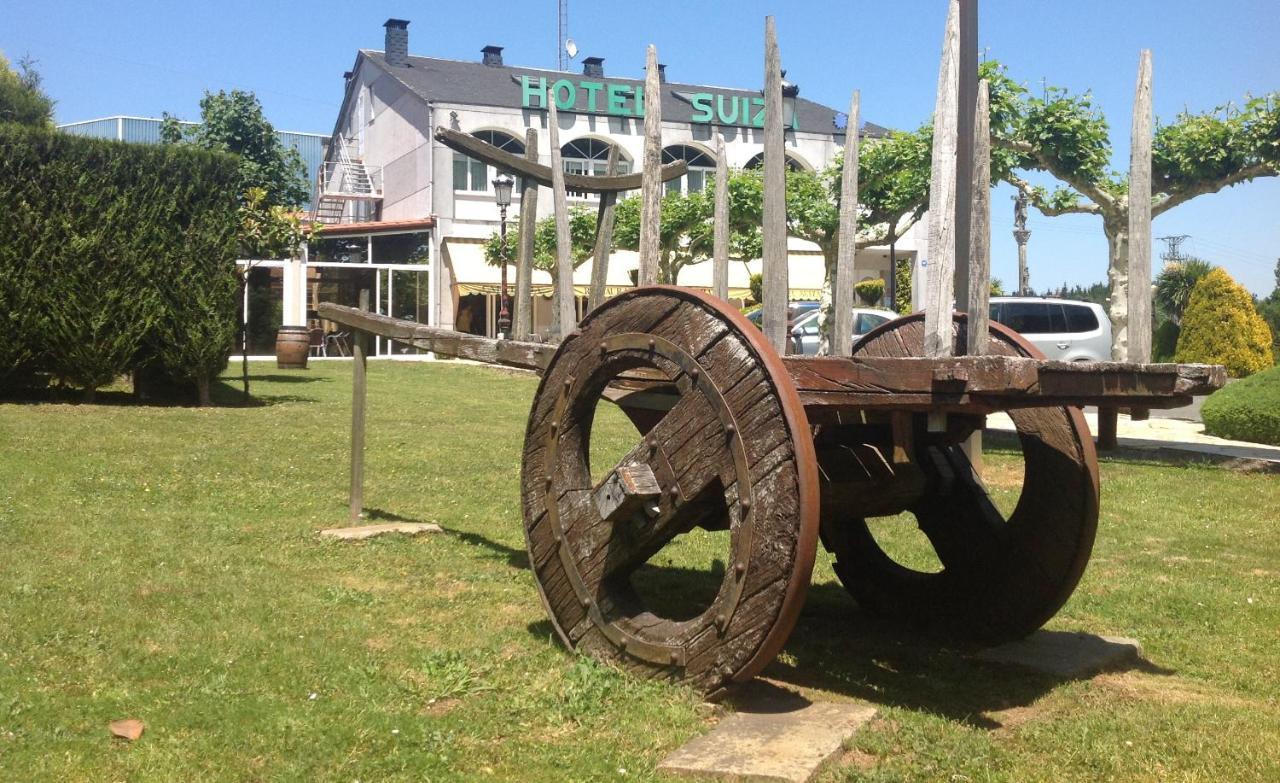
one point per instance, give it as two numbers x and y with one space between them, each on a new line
775 279
528 226
842 293
604 236
565 312
979 308
1139 328
720 237
942 196
650 173
358 369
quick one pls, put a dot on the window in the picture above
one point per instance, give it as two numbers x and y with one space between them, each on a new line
793 163
1027 317
590 157
868 321
1080 318
475 176
702 169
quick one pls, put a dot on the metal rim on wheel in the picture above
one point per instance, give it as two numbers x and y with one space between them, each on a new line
733 451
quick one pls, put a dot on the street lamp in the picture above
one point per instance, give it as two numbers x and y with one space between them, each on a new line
502 193
790 92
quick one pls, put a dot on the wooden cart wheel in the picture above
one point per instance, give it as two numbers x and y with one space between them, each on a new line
734 452
1001 578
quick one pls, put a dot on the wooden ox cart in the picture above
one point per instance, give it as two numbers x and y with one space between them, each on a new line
784 451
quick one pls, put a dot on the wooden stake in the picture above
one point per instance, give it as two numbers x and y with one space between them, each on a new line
720 239
775 283
604 237
523 322
358 369
651 177
842 288
942 197
980 233
565 318
1139 327
967 97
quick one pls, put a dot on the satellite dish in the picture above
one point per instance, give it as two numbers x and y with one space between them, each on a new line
571 48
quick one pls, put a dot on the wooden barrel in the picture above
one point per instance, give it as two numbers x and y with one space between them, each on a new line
292 346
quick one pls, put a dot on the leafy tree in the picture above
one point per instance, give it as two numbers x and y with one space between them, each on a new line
1221 326
582 235
1175 283
1066 136
22 101
234 122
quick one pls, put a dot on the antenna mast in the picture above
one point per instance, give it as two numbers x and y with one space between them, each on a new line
562 35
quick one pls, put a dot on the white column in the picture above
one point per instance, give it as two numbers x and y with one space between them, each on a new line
294 311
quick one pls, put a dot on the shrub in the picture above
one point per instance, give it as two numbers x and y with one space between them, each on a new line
115 255
1248 409
1221 326
1164 341
870 291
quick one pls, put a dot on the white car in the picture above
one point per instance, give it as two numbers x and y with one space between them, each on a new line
804 332
1063 329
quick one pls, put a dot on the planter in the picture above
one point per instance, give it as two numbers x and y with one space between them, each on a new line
292 345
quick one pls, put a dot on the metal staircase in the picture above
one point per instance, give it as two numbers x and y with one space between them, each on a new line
342 184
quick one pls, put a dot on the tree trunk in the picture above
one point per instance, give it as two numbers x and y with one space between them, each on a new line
202 390
1116 229
830 253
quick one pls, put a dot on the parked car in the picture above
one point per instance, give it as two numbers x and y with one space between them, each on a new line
1065 330
795 311
804 332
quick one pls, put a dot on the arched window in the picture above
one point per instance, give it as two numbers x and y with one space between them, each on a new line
793 163
702 168
591 157
473 176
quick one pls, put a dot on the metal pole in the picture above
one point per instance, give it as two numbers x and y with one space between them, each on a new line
504 314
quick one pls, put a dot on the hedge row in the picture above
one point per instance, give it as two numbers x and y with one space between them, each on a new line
115 258
1247 409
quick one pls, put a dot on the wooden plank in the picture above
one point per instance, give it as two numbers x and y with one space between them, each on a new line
565 314
359 342
525 167
774 320
446 342
942 196
966 165
842 288
1138 331
720 225
979 308
604 237
651 184
523 315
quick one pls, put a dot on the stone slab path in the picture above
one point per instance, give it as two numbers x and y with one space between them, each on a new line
1065 654
361 532
785 739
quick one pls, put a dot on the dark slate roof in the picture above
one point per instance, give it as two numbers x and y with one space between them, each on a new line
473 83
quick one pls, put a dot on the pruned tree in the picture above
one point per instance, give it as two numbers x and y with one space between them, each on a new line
1066 136
234 122
582 233
22 100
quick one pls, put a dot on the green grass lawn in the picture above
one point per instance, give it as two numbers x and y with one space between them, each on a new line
162 563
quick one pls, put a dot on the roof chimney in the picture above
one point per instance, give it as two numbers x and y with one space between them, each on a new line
662 73
491 55
397 46
593 66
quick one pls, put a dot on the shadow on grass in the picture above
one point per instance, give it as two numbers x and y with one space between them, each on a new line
224 393
839 648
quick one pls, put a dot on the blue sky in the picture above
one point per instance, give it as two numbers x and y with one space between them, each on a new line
146 57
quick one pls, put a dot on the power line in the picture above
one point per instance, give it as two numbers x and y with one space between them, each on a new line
1173 252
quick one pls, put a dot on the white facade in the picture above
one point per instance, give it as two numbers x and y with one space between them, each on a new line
388 118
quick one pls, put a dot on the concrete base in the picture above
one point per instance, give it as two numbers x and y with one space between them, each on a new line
361 532
774 739
1065 654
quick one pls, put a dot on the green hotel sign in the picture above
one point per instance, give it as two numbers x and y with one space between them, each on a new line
627 100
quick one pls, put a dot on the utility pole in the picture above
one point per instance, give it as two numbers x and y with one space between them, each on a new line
1173 249
1021 235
